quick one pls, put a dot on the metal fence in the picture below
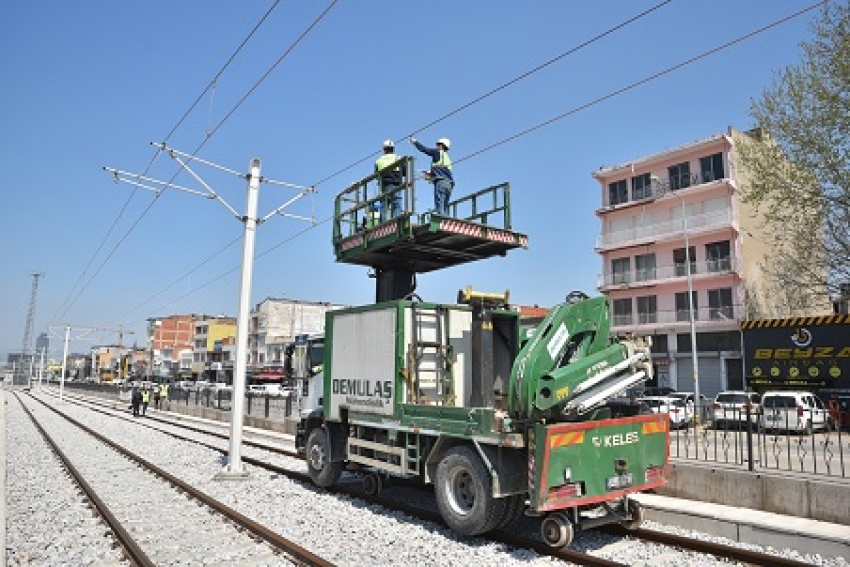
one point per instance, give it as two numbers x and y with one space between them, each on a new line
275 408
742 439
739 438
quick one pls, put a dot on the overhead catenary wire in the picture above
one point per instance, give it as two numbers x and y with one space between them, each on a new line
62 310
512 82
566 114
207 137
459 109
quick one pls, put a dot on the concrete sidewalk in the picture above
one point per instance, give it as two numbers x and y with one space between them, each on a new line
750 526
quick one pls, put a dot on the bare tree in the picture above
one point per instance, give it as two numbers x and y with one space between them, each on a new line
800 165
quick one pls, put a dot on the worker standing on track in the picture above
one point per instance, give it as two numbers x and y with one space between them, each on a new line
440 174
156 396
163 395
146 399
390 180
135 401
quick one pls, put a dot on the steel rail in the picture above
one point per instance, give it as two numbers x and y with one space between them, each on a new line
277 540
131 548
746 556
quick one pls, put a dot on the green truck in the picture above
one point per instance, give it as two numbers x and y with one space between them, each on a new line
456 395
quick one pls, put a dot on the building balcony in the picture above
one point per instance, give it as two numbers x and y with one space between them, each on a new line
634 279
693 182
705 318
666 230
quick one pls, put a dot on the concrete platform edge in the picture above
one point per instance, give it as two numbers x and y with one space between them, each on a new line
749 526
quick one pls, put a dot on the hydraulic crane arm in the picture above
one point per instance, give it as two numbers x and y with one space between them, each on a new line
570 365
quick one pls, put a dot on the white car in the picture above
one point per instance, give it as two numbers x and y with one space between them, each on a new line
680 416
731 407
794 411
266 390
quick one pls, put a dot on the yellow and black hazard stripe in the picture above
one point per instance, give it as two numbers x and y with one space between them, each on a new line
796 322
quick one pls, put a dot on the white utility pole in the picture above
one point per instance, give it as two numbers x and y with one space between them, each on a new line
64 361
41 368
691 314
234 468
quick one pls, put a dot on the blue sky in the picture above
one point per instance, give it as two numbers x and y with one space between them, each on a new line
91 84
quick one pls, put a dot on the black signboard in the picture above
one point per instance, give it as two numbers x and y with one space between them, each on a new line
803 353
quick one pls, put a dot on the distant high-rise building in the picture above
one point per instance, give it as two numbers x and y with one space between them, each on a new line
42 344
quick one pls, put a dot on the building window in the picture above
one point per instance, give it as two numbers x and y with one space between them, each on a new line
659 344
641 187
620 270
644 267
647 309
711 168
679 261
682 307
680 176
720 303
617 193
719 341
717 256
623 311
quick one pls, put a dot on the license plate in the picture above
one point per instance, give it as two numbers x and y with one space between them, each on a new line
619 481
772 417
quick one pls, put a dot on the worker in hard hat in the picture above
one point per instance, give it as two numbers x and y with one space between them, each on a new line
440 174
390 181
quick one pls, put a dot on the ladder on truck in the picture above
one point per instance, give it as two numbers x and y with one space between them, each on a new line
430 379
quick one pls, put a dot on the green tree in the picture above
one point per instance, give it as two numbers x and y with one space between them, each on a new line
800 166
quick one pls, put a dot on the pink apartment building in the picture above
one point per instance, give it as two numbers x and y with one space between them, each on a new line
650 206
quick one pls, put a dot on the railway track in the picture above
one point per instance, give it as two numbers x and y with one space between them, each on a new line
354 490
158 519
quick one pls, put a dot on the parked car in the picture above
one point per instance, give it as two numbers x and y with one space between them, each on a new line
677 409
266 390
794 411
657 391
688 398
731 406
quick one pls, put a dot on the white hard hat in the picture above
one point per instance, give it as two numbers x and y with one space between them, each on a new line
445 141
389 144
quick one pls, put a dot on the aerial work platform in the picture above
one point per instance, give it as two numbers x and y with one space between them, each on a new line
478 227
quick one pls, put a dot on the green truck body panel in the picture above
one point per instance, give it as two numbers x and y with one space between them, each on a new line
582 463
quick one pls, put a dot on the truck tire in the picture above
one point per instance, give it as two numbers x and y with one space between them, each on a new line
465 493
514 509
322 471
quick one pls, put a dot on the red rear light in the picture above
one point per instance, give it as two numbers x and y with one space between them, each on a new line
654 473
747 407
799 411
674 410
716 405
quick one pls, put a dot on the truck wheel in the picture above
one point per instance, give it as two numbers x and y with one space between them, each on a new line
557 530
372 483
513 510
636 512
322 471
465 495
